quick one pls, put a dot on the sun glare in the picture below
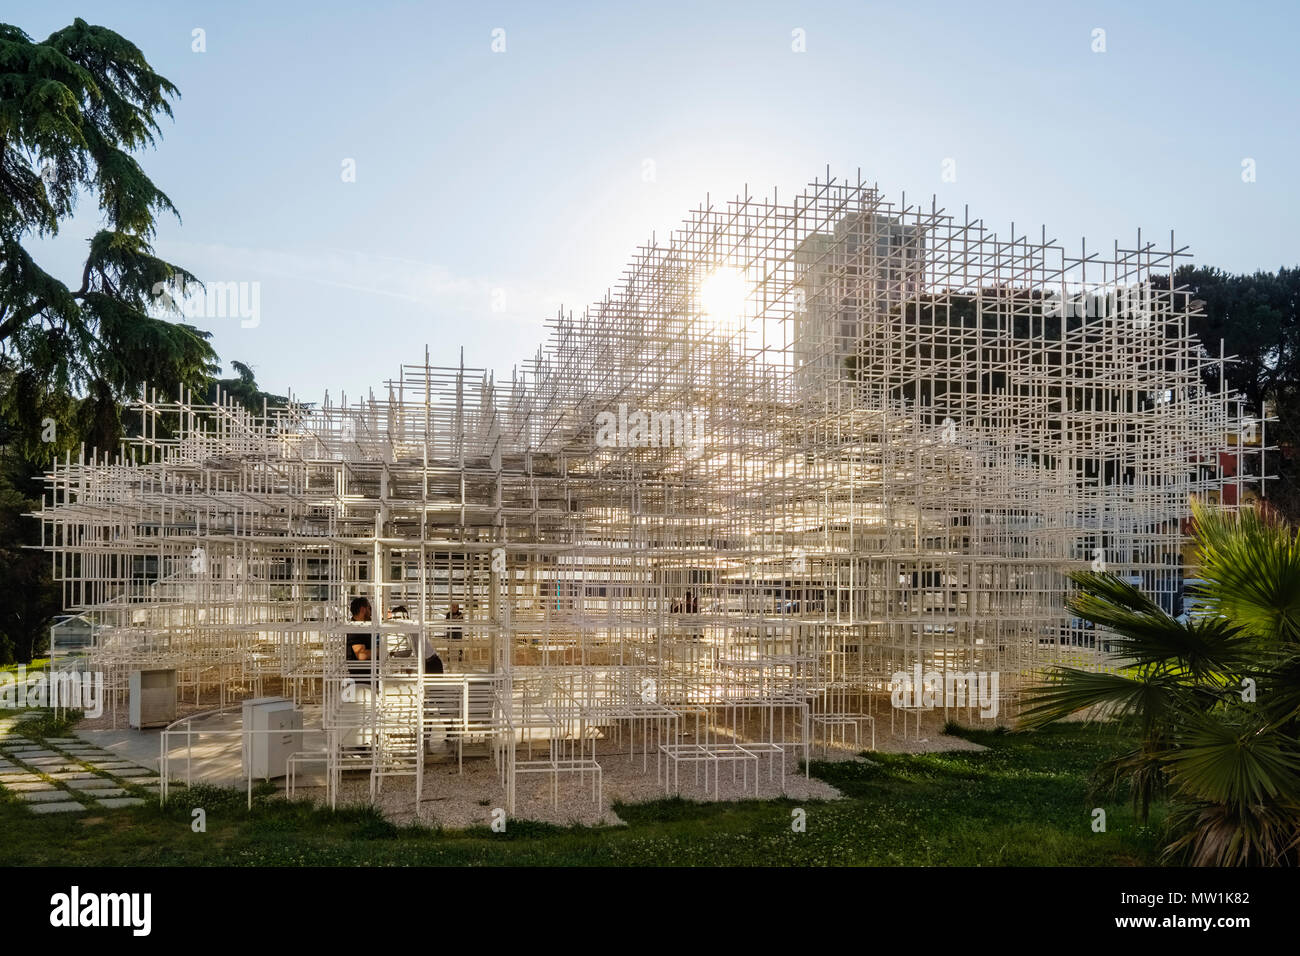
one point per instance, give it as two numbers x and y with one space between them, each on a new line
722 296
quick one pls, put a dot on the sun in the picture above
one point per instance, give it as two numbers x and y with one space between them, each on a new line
722 296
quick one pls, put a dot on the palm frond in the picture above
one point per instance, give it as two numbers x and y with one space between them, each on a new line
1230 760
1251 567
1225 761
1115 591
1068 691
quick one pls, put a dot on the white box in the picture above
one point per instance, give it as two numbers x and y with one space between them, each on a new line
275 725
153 698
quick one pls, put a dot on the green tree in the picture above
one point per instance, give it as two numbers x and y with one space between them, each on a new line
1257 318
30 598
1215 700
73 109
243 388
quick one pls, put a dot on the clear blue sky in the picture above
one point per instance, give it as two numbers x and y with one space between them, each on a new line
522 171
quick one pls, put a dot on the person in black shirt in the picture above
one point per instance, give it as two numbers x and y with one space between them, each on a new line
359 643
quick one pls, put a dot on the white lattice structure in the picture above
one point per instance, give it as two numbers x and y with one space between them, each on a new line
801 447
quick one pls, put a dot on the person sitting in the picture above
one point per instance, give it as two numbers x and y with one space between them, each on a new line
358 646
454 633
439 699
432 662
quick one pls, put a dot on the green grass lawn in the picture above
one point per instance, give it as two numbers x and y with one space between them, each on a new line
1022 803
37 664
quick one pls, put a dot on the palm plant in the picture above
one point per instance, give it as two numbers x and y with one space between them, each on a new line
1214 698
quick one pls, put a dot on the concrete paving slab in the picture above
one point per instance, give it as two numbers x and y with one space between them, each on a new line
43 796
107 792
69 807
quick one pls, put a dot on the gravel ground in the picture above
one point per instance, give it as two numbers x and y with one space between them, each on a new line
452 800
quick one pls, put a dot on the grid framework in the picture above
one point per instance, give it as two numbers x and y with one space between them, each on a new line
802 451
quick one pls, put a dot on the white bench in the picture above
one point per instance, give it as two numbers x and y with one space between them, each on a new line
829 723
578 765
709 756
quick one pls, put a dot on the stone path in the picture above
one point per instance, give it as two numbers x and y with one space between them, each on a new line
67 775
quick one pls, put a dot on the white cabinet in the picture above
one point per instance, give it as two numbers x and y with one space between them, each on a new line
153 698
272 731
